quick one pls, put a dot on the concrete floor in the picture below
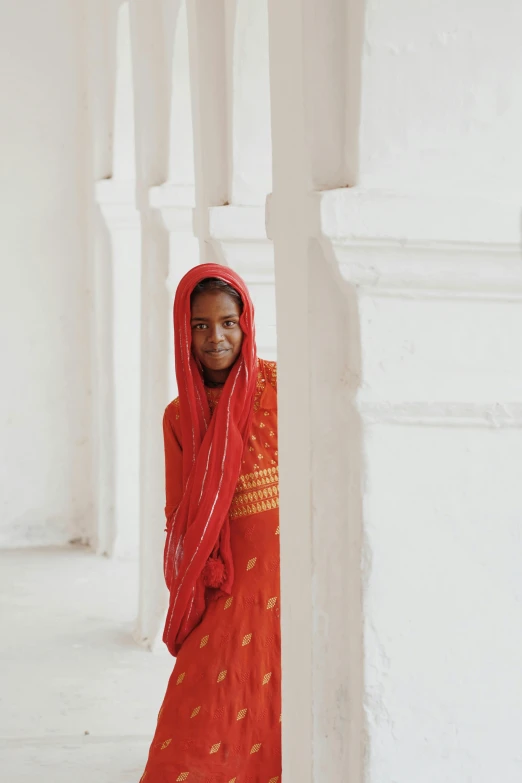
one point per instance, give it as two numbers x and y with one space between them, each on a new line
78 698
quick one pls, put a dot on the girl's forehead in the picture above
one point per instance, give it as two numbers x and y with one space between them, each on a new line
214 302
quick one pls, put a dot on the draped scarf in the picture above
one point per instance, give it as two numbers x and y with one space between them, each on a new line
198 557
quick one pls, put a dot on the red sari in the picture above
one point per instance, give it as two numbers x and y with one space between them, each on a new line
220 721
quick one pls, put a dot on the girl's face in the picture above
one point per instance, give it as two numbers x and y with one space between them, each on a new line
216 334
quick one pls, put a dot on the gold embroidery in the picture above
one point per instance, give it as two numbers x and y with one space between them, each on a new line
256 492
215 748
271 371
251 563
255 748
247 638
267 678
233 780
184 776
274 780
228 602
222 675
180 678
204 642
259 478
241 714
272 602
166 744
256 508
277 531
195 711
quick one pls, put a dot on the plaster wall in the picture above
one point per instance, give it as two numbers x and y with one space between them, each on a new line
396 224
441 104
45 307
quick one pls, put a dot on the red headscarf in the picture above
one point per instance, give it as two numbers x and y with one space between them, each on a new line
197 549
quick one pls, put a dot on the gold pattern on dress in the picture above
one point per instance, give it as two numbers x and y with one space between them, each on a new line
267 678
215 748
233 780
277 531
272 602
204 641
180 678
247 638
256 748
222 675
268 499
274 780
195 711
258 507
166 744
259 478
242 714
251 563
184 776
228 602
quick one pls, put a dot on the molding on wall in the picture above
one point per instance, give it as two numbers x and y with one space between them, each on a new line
423 217
237 223
443 414
176 204
117 202
406 246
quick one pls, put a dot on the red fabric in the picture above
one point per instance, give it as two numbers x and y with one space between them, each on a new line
212 453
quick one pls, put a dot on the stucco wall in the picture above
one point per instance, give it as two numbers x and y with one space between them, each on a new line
45 309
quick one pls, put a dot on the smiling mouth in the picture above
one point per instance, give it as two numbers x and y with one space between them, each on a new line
216 353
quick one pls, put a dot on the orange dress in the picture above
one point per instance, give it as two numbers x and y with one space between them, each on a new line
220 721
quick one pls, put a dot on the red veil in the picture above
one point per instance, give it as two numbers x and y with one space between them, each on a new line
197 549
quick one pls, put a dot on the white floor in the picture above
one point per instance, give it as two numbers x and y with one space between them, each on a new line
78 697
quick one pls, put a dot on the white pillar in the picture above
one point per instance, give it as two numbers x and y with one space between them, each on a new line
152 45
400 584
287 228
117 290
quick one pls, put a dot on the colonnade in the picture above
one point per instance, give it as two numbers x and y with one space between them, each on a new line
367 154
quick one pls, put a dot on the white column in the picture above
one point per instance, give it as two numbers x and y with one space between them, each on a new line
152 46
117 289
399 501
287 228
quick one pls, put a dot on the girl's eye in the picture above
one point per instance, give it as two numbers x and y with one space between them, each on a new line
230 323
199 326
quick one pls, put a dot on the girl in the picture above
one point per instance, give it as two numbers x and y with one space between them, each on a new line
220 719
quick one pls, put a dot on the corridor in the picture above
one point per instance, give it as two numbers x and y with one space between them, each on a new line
78 697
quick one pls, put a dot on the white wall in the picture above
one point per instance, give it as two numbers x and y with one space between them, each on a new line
45 306
399 340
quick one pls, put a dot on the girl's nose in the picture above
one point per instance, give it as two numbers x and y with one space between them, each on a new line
216 335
